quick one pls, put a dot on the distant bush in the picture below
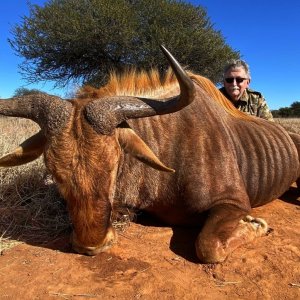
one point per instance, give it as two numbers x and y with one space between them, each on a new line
288 112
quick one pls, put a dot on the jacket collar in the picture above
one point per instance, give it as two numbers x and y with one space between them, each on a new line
244 97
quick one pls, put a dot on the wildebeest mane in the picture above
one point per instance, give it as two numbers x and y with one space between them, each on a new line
132 83
151 84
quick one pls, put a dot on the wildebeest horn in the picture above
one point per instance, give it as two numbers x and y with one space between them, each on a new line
50 112
105 115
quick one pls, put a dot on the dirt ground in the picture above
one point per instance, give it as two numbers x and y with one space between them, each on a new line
155 262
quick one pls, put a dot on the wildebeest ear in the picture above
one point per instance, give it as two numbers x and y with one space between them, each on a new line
134 145
28 151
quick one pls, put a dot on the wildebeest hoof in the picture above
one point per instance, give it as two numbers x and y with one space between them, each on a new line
258 225
214 248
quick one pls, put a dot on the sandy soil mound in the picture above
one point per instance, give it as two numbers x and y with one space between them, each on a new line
155 262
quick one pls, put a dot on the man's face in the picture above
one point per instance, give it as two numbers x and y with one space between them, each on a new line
235 83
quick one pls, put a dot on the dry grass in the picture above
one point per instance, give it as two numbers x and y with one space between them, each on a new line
30 210
290 124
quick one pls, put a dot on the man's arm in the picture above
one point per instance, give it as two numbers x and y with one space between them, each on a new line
263 110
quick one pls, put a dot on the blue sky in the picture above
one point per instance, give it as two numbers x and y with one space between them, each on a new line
267 34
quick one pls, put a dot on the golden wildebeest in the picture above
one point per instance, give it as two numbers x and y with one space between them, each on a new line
226 162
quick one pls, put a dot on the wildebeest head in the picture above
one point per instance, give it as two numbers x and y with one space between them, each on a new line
82 140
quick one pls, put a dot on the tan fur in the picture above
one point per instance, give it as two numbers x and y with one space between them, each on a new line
77 160
134 145
225 162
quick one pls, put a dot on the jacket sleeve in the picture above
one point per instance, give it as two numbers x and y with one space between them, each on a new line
263 110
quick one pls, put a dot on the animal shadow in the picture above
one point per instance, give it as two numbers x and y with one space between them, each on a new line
183 239
183 242
291 196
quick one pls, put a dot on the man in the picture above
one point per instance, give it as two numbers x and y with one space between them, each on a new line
236 82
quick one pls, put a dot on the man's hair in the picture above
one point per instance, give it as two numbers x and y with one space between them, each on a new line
237 63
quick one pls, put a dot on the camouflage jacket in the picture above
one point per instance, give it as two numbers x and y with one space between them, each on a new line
252 103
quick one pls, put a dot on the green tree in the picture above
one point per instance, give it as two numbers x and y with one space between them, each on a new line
83 40
288 112
24 91
295 108
285 112
275 113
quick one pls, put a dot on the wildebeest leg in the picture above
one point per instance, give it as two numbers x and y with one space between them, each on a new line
296 139
227 227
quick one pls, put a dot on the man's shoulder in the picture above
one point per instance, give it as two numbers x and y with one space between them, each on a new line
255 93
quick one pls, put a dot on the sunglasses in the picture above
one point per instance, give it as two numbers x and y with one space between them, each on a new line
237 79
